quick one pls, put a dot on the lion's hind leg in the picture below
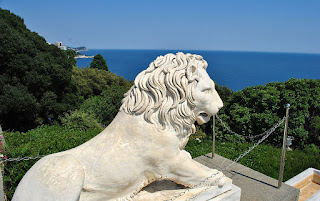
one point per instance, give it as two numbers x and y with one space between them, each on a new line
52 178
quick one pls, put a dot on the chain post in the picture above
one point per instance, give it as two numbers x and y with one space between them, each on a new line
2 141
213 135
2 152
283 155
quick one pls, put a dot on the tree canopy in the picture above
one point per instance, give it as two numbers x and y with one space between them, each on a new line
35 77
93 81
99 62
254 109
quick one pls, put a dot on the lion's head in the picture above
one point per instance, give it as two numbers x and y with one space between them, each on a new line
173 93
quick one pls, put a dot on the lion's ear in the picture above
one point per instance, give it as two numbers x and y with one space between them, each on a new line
192 73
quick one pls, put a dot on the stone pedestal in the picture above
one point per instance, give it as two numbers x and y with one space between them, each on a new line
254 185
166 190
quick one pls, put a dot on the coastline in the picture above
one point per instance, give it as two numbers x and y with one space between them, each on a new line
235 70
83 57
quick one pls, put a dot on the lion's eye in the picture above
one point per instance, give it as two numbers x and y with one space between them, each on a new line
207 91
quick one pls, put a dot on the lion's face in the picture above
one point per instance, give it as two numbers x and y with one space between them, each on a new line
207 100
173 93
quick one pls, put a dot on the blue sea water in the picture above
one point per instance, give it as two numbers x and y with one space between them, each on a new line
233 69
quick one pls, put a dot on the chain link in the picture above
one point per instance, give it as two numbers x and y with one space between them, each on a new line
208 186
21 159
271 130
268 133
197 186
244 136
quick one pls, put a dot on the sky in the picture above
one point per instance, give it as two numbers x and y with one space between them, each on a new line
235 25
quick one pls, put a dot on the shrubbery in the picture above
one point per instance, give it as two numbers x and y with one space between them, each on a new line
93 81
106 106
43 140
315 130
254 109
80 120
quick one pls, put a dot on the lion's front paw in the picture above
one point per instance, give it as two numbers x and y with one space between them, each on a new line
216 178
222 181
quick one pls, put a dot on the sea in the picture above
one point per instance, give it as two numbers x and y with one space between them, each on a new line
233 69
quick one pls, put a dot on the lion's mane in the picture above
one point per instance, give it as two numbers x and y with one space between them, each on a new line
163 93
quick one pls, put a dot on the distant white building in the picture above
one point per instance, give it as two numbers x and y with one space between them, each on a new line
59 45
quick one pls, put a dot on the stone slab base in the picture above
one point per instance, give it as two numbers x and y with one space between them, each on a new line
254 185
232 195
166 190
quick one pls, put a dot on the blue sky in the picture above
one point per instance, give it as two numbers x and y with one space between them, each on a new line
273 26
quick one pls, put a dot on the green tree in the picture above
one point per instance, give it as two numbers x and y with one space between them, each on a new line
224 92
254 109
105 107
35 78
315 130
99 62
71 54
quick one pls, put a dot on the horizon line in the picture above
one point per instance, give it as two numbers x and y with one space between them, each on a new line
253 51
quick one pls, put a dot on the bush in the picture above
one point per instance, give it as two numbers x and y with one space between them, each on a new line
105 107
315 130
93 81
312 149
43 140
81 120
254 109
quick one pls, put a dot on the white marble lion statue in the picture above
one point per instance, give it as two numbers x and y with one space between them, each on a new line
145 141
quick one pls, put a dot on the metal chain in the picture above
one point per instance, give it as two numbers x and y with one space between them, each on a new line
268 133
271 130
209 186
21 159
196 186
244 136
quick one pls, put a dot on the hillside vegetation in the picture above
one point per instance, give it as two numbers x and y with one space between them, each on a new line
38 81
253 110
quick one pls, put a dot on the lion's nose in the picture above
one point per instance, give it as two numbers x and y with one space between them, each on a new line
220 104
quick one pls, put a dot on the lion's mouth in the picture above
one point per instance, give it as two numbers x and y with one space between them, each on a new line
204 114
203 118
